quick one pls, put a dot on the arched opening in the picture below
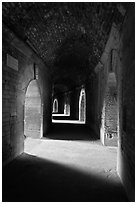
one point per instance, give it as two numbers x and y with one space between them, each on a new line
55 106
33 111
110 113
82 105
67 109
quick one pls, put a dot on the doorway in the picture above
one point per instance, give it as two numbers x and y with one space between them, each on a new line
55 106
33 111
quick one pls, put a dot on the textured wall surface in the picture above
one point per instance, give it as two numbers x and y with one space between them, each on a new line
126 156
111 111
14 85
124 68
122 63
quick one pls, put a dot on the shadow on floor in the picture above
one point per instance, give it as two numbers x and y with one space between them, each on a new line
71 132
32 179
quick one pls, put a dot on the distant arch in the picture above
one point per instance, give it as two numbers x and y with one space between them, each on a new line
55 106
67 109
82 105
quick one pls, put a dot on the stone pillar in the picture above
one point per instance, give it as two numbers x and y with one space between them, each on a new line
74 104
92 105
47 106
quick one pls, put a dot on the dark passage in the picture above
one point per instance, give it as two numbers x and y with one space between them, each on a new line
62 131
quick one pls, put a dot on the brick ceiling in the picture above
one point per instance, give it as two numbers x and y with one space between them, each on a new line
68 37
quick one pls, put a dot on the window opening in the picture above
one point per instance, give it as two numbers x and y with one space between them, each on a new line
82 106
55 106
67 109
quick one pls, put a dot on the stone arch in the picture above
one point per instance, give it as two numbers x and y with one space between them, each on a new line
67 109
109 122
82 105
55 105
33 111
66 105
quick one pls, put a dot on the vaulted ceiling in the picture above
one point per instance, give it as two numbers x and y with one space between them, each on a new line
68 37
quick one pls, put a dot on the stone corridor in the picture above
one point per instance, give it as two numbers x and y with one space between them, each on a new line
68 101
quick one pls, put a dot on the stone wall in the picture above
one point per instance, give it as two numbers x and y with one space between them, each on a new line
122 41
126 153
17 72
107 92
110 109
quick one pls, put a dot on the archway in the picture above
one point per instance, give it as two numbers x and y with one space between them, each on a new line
67 109
33 111
55 106
82 105
110 113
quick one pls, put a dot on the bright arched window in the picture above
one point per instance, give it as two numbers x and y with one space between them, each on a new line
82 105
55 106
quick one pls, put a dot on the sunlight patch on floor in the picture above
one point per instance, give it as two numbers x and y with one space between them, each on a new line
60 114
68 121
88 157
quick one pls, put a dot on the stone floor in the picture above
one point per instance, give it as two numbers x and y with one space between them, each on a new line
69 165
